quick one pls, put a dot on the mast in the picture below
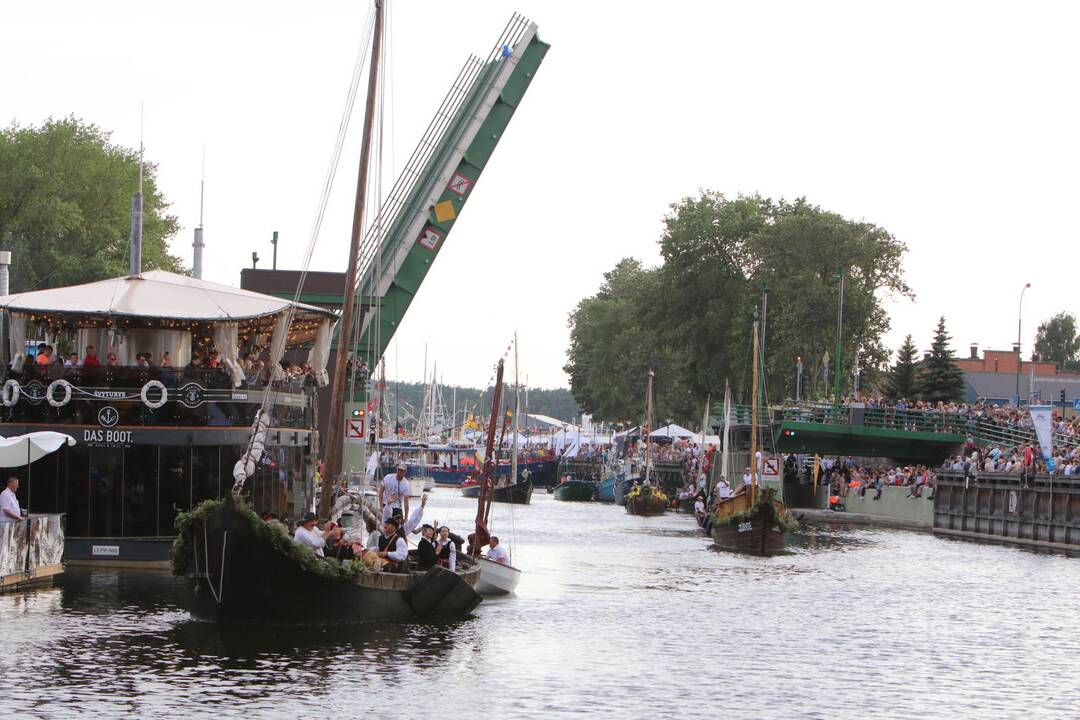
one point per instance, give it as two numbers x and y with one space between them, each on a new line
753 422
486 484
335 433
648 426
724 453
517 424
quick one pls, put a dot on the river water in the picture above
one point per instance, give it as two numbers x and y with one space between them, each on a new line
616 617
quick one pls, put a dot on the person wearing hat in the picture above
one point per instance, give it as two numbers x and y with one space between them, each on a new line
394 494
310 536
426 556
392 546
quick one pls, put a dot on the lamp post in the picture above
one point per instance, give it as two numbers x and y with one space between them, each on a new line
1019 320
798 378
839 330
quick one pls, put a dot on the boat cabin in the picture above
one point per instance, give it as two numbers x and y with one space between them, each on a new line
158 377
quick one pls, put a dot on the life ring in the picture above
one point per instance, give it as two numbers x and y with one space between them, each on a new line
50 393
144 394
10 394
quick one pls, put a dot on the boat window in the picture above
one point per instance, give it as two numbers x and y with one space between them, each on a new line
141 492
174 484
205 474
106 492
77 490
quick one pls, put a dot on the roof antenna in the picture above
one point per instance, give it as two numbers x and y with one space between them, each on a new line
135 266
197 260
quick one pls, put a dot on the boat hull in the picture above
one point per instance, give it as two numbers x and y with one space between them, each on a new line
605 490
496 578
248 580
520 494
574 491
753 537
645 505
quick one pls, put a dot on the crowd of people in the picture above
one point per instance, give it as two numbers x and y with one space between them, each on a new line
385 544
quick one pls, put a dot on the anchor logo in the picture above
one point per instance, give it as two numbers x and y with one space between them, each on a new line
108 416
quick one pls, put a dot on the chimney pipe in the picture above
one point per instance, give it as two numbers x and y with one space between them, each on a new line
136 234
5 264
974 351
273 241
254 260
196 265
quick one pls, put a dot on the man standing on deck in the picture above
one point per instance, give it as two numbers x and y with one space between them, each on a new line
9 504
394 494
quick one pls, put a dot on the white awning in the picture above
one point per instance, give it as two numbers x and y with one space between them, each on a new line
154 294
24 449
674 431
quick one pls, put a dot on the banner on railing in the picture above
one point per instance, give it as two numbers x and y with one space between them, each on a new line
1043 422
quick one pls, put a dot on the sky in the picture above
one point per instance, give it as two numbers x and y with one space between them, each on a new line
953 125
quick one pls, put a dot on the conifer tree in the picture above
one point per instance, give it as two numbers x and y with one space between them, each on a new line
940 379
901 382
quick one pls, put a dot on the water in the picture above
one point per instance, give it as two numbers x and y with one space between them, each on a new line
616 617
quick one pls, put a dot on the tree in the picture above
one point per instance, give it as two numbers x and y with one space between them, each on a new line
940 378
65 205
1056 340
901 381
690 319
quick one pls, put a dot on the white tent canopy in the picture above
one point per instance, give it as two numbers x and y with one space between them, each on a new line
154 294
673 431
25 449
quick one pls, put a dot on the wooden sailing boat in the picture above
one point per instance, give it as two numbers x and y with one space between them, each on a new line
495 578
247 571
647 498
752 521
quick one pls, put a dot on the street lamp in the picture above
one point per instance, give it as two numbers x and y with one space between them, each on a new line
1019 319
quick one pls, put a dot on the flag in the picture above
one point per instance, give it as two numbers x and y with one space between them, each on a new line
1044 432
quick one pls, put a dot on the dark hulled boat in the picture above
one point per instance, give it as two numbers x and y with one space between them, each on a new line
575 490
231 555
754 527
646 500
519 494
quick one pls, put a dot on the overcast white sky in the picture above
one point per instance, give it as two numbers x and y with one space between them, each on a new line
954 125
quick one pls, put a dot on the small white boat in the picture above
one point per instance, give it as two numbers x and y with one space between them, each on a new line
496 578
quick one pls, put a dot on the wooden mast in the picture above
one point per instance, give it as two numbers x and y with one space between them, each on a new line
648 426
489 462
753 422
334 437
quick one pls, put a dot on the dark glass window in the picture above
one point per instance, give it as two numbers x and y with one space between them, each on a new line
106 492
205 474
174 485
76 487
141 492
43 484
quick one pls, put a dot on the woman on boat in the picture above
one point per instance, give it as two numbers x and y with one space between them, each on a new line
446 550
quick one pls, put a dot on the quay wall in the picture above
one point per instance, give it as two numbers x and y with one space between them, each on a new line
893 509
1042 513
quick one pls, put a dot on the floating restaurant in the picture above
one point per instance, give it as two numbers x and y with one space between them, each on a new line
160 380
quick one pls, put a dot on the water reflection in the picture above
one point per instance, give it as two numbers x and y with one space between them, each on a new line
617 616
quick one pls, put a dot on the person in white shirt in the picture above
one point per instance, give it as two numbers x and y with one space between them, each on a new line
497 552
392 546
699 507
310 536
747 478
9 504
723 490
394 494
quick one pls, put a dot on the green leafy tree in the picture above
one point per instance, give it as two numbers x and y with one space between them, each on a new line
65 205
940 379
901 382
1056 340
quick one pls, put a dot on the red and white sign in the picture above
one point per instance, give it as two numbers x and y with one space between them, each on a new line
771 467
430 238
459 184
354 430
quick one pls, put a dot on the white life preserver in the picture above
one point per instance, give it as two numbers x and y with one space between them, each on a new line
50 393
154 404
10 394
